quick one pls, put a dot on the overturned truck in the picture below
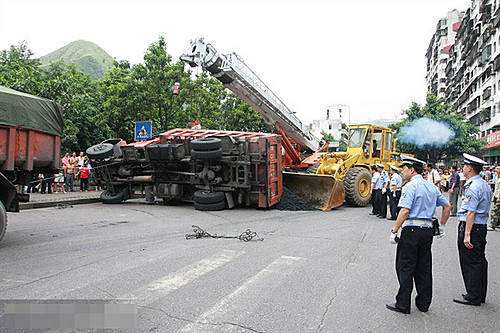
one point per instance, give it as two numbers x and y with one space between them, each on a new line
213 169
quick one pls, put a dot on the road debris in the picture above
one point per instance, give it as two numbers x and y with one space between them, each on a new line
246 236
291 201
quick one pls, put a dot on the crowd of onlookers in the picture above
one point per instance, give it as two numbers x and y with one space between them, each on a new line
75 171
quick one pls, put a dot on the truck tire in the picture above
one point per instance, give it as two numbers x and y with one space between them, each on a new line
210 207
207 197
109 198
206 154
100 151
3 220
357 183
206 144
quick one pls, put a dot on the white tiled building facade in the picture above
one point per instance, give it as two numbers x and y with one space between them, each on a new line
471 58
337 118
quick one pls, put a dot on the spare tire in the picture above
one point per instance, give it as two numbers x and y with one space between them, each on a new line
357 183
210 207
206 154
114 198
100 151
3 220
206 144
207 197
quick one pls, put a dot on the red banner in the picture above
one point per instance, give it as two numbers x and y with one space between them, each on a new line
493 139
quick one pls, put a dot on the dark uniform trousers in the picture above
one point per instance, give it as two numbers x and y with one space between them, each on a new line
454 199
473 262
393 204
383 204
414 263
375 201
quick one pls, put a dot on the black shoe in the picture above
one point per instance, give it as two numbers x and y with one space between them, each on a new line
381 217
422 309
465 301
393 307
373 214
466 296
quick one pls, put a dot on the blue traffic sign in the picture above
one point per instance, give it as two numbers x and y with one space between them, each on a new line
143 130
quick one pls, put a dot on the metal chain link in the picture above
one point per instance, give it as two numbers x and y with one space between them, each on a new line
246 236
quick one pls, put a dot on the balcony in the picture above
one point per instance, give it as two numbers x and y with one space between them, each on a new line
496 63
486 93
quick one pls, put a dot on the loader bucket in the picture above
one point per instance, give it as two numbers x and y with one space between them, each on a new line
327 191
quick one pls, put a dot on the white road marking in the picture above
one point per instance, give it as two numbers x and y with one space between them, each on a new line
239 302
182 277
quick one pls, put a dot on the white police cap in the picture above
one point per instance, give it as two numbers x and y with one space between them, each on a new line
412 161
379 165
473 160
395 168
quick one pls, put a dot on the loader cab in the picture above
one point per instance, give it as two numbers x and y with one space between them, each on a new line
376 142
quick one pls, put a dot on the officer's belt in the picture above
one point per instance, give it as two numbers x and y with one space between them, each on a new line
418 223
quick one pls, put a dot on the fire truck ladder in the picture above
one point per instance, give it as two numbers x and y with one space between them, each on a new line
232 71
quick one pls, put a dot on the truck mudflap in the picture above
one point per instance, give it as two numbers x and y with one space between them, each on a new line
324 190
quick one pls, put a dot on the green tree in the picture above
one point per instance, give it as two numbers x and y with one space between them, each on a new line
18 70
465 133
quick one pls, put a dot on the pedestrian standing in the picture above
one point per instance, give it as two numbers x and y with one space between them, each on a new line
462 181
471 240
495 214
418 202
454 190
395 186
432 175
374 191
382 184
84 172
70 177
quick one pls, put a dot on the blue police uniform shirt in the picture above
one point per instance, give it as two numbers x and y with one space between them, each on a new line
421 198
476 198
375 178
382 180
397 181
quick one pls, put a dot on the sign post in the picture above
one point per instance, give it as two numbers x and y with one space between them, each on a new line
143 130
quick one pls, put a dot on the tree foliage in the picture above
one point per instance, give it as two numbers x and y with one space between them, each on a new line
94 110
465 140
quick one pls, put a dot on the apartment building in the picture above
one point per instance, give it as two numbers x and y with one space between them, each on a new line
438 52
472 70
337 119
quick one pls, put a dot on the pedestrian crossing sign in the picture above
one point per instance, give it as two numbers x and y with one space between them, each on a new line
143 130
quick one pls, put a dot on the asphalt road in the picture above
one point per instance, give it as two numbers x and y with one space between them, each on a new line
314 271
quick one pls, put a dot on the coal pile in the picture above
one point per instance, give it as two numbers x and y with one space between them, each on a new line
291 201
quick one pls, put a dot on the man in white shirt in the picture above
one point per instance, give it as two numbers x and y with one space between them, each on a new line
432 175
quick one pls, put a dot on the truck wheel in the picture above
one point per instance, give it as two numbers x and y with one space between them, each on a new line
357 183
100 151
114 198
207 197
3 220
206 154
206 144
210 207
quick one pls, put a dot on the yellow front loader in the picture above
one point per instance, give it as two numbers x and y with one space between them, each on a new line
346 176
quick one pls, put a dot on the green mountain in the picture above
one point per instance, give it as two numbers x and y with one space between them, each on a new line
87 56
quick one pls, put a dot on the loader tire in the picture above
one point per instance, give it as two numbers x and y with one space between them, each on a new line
357 183
207 197
210 207
3 220
206 154
114 198
206 144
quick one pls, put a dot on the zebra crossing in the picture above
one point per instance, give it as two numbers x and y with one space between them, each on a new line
232 308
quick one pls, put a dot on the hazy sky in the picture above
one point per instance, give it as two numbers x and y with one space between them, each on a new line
369 54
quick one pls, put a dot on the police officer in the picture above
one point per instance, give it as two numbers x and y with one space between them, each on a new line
395 191
473 217
375 192
413 257
382 184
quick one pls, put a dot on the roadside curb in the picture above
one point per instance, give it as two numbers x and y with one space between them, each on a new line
45 204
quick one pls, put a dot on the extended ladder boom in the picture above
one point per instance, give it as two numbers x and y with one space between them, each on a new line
232 71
